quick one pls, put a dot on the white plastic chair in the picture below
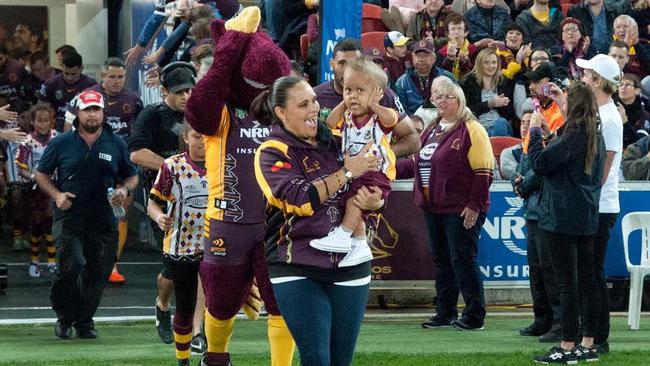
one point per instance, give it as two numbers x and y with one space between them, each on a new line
631 222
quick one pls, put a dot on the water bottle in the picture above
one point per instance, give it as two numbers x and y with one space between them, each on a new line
118 210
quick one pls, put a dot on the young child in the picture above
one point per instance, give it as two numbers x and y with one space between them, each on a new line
362 122
178 202
15 183
28 156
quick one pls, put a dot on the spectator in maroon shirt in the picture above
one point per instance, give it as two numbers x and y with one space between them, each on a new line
60 89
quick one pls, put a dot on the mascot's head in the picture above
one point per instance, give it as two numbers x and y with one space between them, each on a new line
261 62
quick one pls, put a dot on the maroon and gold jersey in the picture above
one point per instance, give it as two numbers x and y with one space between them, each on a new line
233 194
58 93
121 110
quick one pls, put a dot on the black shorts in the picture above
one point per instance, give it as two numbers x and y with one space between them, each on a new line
168 264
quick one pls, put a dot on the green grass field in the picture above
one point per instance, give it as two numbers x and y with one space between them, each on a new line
381 343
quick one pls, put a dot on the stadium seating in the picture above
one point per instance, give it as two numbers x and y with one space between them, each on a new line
373 39
304 46
631 222
500 143
371 19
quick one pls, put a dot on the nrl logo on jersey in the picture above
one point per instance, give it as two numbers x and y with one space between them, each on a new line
257 133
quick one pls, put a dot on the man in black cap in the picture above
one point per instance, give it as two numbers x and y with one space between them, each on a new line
542 75
155 137
543 280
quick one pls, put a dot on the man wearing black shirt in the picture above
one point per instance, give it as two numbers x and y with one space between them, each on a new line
88 161
154 138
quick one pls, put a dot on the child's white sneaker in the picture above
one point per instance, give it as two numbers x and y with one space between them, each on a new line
338 241
360 253
34 271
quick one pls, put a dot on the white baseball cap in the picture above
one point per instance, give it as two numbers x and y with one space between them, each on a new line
604 65
90 98
395 39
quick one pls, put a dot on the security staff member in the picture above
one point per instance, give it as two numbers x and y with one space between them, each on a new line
88 161
155 137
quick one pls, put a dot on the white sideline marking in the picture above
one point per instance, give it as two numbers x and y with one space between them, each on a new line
120 263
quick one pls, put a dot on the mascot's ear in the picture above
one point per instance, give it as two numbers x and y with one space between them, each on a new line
218 28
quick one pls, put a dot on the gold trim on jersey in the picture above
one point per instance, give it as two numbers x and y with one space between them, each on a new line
302 210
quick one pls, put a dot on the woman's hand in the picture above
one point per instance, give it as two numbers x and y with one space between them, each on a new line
522 53
470 217
368 198
586 43
361 162
498 101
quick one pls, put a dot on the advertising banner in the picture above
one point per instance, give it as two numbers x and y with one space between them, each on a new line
401 251
339 19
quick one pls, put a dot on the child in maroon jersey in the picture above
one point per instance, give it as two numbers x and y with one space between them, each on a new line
29 154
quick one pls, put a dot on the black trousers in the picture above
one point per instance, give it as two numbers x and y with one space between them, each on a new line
85 257
454 251
543 280
605 223
572 257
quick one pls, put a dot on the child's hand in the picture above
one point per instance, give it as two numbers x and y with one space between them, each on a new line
375 97
164 222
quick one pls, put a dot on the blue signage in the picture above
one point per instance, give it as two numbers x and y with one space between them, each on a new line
339 19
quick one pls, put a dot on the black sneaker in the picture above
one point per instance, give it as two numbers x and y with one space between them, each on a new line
602 348
557 355
436 322
164 325
554 335
63 329
198 344
533 330
87 332
586 354
461 324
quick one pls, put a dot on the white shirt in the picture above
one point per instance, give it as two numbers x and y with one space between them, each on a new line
612 129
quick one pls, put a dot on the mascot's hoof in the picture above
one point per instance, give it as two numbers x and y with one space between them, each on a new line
246 22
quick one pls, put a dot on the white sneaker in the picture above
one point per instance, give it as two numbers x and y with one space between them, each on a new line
51 267
34 270
338 241
360 253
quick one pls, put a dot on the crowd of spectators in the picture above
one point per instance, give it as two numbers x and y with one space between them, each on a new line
498 58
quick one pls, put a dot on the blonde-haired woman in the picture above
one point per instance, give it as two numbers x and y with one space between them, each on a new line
489 94
453 173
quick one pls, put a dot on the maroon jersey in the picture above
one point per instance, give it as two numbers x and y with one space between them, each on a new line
234 195
121 110
58 93
11 79
328 98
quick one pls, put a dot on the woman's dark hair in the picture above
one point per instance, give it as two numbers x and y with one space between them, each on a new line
582 114
263 106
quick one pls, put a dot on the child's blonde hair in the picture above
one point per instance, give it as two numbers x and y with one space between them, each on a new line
365 66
